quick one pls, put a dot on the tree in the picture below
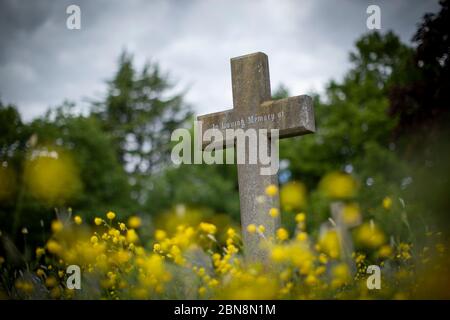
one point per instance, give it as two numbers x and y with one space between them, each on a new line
13 142
140 115
352 118
85 164
354 127
422 107
105 185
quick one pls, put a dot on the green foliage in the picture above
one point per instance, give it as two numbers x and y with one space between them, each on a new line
95 157
104 184
202 186
199 185
422 106
140 115
354 129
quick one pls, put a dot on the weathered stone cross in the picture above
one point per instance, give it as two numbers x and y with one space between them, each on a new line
254 108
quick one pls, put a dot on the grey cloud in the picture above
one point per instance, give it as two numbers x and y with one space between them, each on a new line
42 63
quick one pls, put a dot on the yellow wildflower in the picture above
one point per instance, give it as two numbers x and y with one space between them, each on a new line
57 226
320 270
134 222
329 243
351 214
213 283
341 275
274 212
94 239
370 235
311 280
231 233
201 291
279 253
98 221
404 251
323 258
53 247
132 236
208 227
282 234
110 215
160 234
440 247
387 203
293 196
302 236
338 185
271 190
360 258
114 232
385 251
201 271
39 252
25 286
51 282
78 220
261 228
251 228
300 217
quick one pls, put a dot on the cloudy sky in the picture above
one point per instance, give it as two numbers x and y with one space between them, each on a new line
42 62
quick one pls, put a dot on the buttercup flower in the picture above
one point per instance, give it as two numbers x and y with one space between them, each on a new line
251 228
78 220
160 235
282 234
293 196
338 185
208 227
134 222
351 214
387 203
274 212
370 235
110 215
271 190
57 226
231 233
300 217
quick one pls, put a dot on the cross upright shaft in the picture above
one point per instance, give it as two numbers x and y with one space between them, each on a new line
251 87
250 81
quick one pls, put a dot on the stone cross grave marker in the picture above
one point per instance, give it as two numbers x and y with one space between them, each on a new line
253 107
343 231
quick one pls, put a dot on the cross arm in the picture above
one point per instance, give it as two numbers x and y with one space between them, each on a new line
219 121
292 116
